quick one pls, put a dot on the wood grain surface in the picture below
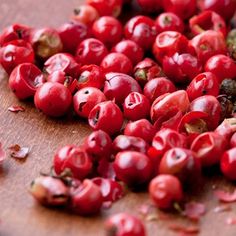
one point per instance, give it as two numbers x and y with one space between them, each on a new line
20 215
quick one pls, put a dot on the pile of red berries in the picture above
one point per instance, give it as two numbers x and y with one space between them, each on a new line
159 91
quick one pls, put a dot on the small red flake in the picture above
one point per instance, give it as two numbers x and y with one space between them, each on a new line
231 221
2 154
192 229
222 208
225 196
16 108
144 209
194 210
19 152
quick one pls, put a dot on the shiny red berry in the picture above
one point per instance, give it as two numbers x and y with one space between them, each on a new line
182 163
117 62
233 141
133 168
71 34
86 199
228 163
98 145
203 84
208 44
142 30
62 62
157 87
169 21
210 105
168 43
209 147
118 86
140 128
108 30
13 32
106 116
222 66
129 143
91 51
136 106
25 79
91 76
74 160
86 99
165 190
15 53
131 49
53 99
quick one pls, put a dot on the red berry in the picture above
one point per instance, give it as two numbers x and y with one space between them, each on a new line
72 159
25 79
87 199
140 128
62 62
209 147
184 9
168 43
91 76
165 190
98 145
207 20
46 42
163 105
91 51
133 168
71 34
106 8
136 106
86 99
123 224
13 32
169 21
108 30
53 99
208 44
157 87
228 163
85 14
117 62
15 53
110 189
106 116
203 84
181 68
222 66
146 70
131 49
142 30
226 8
210 105
129 143
118 86
182 163
166 139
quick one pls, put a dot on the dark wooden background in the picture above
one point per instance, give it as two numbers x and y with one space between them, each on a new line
19 213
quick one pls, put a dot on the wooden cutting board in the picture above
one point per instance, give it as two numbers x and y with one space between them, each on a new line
20 215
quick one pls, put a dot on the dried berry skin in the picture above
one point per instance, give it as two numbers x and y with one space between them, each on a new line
49 191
